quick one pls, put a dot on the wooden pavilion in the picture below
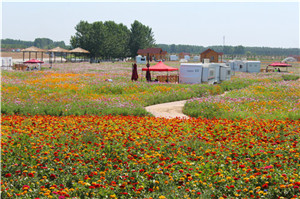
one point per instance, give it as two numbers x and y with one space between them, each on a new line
57 50
78 51
34 50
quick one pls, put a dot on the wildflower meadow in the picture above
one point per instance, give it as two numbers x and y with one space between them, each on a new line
68 133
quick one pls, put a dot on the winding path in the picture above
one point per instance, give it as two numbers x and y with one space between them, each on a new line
170 110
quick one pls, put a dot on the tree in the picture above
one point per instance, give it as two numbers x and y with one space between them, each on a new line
83 37
43 42
141 37
239 50
116 40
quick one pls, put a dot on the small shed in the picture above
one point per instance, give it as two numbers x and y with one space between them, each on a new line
212 55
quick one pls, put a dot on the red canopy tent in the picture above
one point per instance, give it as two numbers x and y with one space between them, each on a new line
33 61
280 64
160 66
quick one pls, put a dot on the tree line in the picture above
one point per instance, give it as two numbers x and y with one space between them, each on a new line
107 40
43 43
230 50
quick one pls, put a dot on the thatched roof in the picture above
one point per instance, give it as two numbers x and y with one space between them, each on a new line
33 49
79 50
59 49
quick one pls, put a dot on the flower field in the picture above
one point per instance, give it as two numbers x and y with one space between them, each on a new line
79 89
143 157
269 100
68 133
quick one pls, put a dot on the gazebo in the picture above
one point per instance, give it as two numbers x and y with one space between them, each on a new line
57 50
34 50
79 51
161 67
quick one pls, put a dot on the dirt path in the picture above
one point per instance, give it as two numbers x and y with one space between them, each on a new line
170 109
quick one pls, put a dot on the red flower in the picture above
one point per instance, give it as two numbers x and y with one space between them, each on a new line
30 174
7 175
242 166
92 187
52 176
150 189
198 193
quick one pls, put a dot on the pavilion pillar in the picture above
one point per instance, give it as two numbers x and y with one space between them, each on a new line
29 55
35 55
23 55
42 55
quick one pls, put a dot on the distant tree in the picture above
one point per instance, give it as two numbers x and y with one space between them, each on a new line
248 53
42 42
141 37
116 40
239 50
84 37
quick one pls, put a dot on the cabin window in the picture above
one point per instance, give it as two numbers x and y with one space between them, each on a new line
228 72
211 73
241 66
212 58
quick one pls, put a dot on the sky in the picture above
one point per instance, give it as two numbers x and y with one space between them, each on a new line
260 24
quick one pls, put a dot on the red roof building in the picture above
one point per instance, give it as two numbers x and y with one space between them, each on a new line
155 53
212 55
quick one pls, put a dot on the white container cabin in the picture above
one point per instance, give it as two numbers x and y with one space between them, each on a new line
190 73
253 66
187 57
209 73
225 72
196 58
173 58
6 61
245 66
141 59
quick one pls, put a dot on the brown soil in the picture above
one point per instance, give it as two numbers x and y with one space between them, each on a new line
19 55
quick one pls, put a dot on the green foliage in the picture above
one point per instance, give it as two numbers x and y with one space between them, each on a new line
141 37
290 77
110 40
230 50
43 43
